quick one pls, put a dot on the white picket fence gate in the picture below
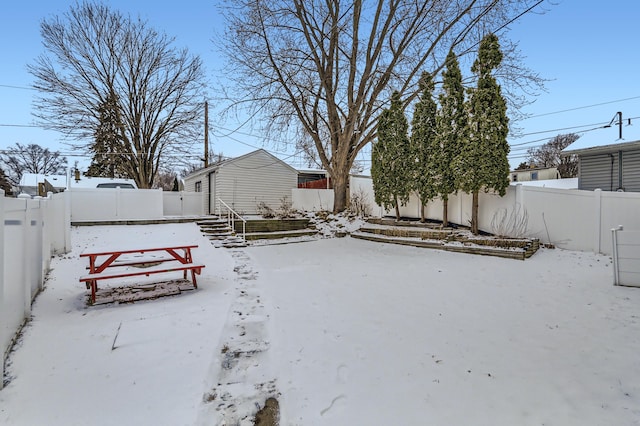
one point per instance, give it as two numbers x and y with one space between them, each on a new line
626 257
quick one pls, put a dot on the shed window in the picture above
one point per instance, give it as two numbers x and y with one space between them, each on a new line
199 186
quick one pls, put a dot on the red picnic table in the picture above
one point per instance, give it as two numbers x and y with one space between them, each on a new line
118 263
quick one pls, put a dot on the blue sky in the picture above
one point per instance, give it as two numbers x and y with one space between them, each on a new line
586 48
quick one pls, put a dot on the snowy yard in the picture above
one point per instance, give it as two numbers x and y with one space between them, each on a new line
342 332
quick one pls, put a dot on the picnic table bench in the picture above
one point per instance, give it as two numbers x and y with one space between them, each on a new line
119 263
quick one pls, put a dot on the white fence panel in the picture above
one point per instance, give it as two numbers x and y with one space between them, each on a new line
58 225
182 203
115 204
626 257
17 288
32 230
567 219
362 187
313 200
617 208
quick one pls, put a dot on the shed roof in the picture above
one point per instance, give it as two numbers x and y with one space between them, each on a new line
606 140
229 161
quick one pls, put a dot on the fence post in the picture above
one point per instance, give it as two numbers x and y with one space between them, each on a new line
2 307
26 258
616 268
38 251
519 196
67 221
597 196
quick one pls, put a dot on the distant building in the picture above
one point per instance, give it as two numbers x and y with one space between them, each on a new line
607 162
38 184
313 179
527 175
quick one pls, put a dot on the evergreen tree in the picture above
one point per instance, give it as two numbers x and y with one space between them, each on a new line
108 147
424 146
390 170
483 162
4 183
451 128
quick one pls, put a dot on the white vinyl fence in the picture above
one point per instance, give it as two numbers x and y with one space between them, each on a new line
116 204
182 203
569 219
626 257
33 230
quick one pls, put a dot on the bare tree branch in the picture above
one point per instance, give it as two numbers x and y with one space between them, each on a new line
328 66
92 52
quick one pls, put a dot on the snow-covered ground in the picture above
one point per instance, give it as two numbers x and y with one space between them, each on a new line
342 332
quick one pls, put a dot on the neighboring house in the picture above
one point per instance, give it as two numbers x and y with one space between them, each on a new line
244 182
102 182
527 175
313 179
39 184
607 162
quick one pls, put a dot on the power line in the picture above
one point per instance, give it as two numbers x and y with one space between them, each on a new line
581 107
9 86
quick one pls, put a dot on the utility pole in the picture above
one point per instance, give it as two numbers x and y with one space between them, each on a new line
619 123
206 134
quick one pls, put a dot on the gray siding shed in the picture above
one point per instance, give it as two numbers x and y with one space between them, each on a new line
244 182
598 172
609 167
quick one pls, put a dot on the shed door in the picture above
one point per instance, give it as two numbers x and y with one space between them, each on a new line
212 193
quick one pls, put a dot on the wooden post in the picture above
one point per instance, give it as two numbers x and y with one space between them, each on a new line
206 134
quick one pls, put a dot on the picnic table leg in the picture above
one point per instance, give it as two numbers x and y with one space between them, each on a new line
94 289
193 278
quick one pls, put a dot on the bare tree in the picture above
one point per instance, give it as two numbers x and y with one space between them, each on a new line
165 179
31 158
94 52
328 66
549 155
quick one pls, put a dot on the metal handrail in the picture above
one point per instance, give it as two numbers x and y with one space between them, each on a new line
231 218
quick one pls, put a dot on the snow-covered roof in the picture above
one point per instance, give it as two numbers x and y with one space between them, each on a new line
568 183
228 161
606 140
32 180
313 171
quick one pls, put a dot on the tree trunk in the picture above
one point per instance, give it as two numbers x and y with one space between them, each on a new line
340 184
445 212
422 218
474 214
397 209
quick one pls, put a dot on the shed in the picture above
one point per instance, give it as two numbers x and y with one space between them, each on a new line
244 182
606 161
